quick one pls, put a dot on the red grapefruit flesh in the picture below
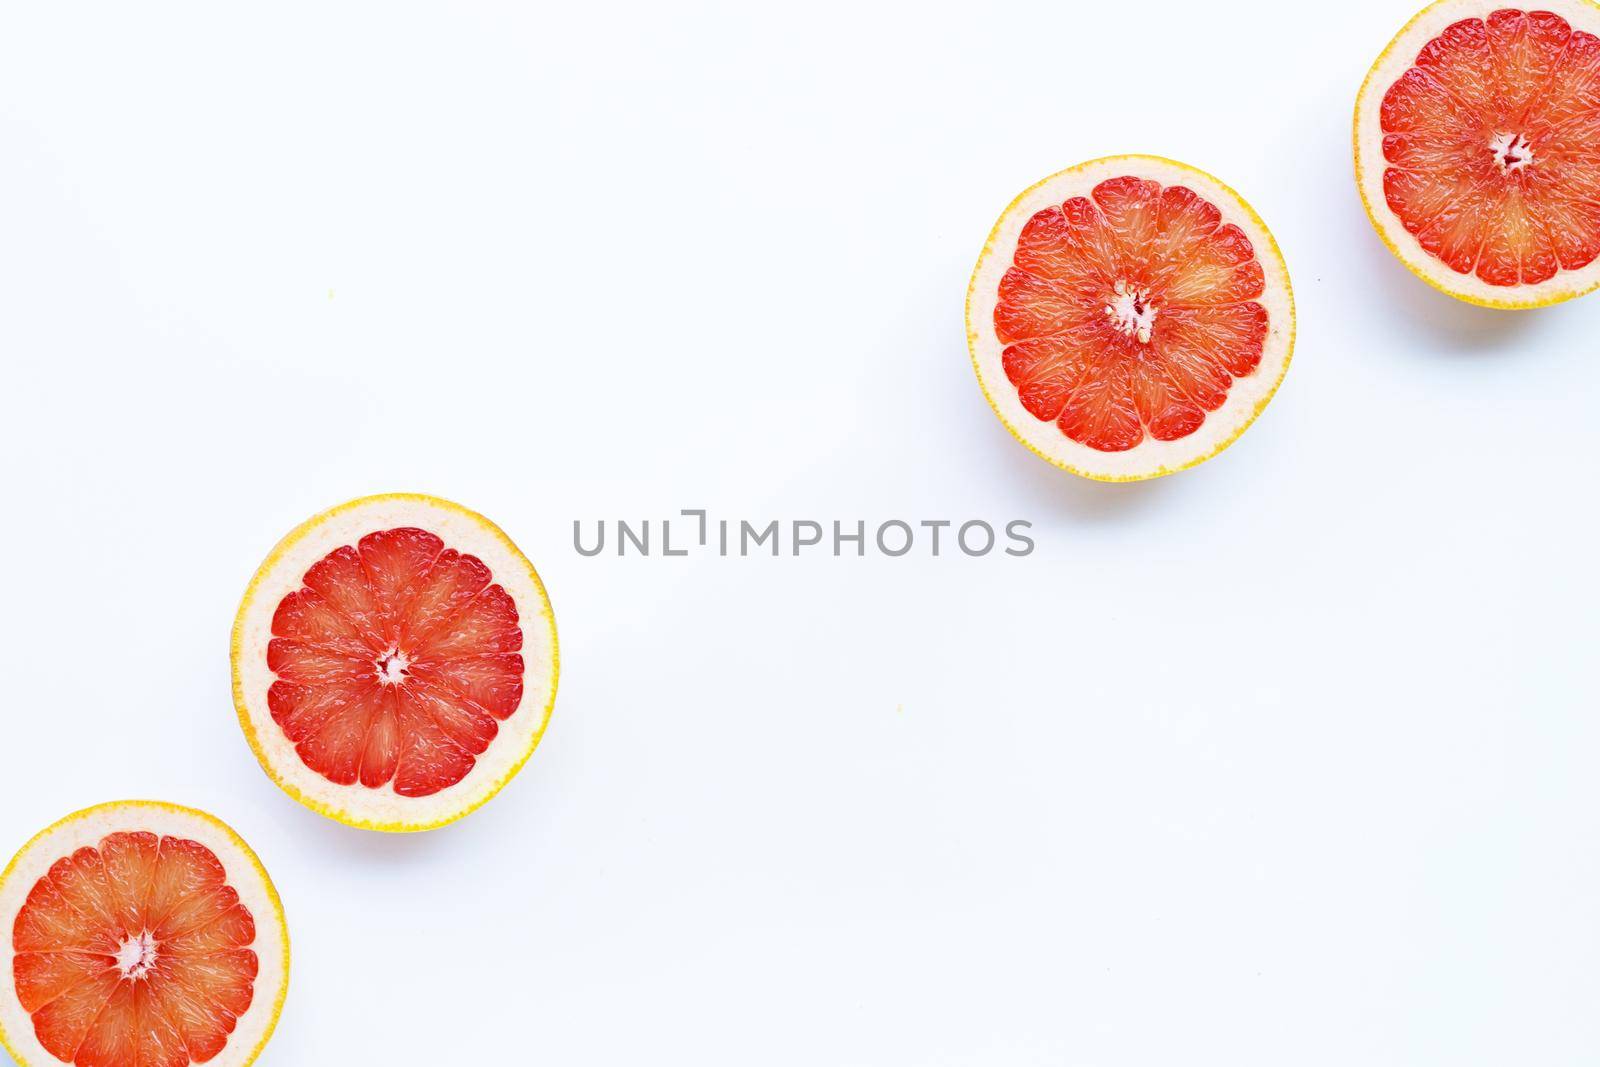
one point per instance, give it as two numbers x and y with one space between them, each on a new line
1478 150
135 948
1090 283
135 952
395 662
1125 301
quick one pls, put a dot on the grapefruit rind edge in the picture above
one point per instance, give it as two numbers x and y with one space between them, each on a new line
1423 27
239 849
241 705
1267 251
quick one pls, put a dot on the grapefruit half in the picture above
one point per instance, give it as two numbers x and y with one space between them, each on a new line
139 934
1477 150
1129 317
394 662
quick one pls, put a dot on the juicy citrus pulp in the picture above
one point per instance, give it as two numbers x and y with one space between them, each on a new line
1117 311
1127 313
135 951
1478 150
383 657
140 935
395 662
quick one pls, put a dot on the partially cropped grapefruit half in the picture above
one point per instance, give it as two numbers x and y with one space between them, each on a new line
1477 150
139 934
394 662
1129 317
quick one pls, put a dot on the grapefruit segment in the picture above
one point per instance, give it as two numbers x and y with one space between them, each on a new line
1129 317
394 662
1477 149
62 1023
139 934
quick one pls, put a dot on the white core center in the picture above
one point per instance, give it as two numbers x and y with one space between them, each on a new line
1511 150
1131 312
137 955
392 667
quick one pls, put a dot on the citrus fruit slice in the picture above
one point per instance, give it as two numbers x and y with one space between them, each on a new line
394 662
1477 150
139 934
1129 318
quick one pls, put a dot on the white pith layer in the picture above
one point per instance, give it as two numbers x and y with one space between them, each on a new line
1400 56
1150 457
383 808
88 829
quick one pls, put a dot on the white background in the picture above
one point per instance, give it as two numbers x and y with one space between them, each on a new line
1287 759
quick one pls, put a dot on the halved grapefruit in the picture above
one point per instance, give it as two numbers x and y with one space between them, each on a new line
139 934
394 662
1129 318
1477 150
